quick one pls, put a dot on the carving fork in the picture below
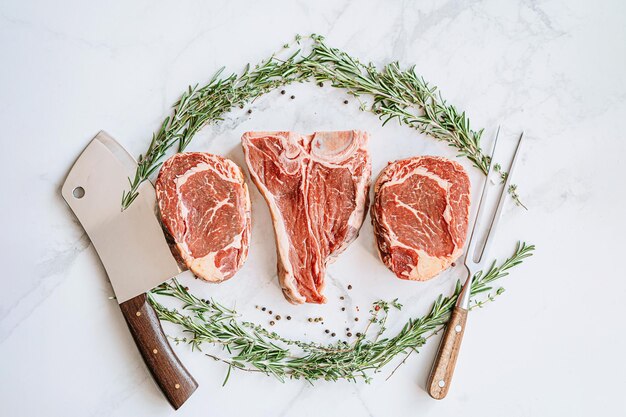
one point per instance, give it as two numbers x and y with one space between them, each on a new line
475 260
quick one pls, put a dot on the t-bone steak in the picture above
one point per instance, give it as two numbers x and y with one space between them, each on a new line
316 187
420 214
205 207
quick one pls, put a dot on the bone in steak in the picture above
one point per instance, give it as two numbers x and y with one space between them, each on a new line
316 187
420 215
205 207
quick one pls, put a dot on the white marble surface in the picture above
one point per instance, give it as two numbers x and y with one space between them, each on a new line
553 344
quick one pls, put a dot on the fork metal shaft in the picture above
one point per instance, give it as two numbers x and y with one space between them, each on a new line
440 375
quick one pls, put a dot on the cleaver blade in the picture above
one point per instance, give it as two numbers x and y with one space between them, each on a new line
133 250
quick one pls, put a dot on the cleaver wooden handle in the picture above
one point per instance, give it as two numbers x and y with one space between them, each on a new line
166 369
443 368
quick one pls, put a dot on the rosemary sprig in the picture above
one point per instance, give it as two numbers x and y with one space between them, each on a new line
254 349
396 94
199 106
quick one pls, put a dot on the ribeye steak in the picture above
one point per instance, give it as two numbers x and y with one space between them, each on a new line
316 187
420 214
205 207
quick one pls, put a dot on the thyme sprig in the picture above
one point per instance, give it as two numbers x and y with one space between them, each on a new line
254 349
395 93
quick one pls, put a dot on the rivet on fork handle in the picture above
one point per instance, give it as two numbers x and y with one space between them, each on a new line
443 368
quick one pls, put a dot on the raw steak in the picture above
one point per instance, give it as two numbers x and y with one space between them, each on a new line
205 207
420 215
316 187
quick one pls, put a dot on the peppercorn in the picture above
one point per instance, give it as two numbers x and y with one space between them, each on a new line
249 111
269 312
278 317
343 309
347 329
321 84
342 298
358 335
453 264
377 308
356 319
326 331
272 323
349 286
333 334
288 317
292 97
263 309
349 334
282 91
345 102
310 319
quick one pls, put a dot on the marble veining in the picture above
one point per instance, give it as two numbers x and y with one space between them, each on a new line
552 68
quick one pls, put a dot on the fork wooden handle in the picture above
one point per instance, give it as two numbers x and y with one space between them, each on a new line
443 367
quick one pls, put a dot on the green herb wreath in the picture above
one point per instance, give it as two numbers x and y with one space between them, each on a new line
396 94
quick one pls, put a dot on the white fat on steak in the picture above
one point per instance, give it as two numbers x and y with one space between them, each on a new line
420 215
205 208
316 187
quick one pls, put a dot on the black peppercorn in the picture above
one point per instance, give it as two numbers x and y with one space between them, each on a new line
333 334
263 309
249 111
278 317
343 309
269 312
292 97
356 319
349 286
345 102
272 323
321 84
342 298
282 91
288 317
326 331
349 334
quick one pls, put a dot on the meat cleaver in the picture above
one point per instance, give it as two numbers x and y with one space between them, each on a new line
133 250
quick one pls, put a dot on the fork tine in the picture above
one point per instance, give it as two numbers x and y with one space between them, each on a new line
502 199
471 246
